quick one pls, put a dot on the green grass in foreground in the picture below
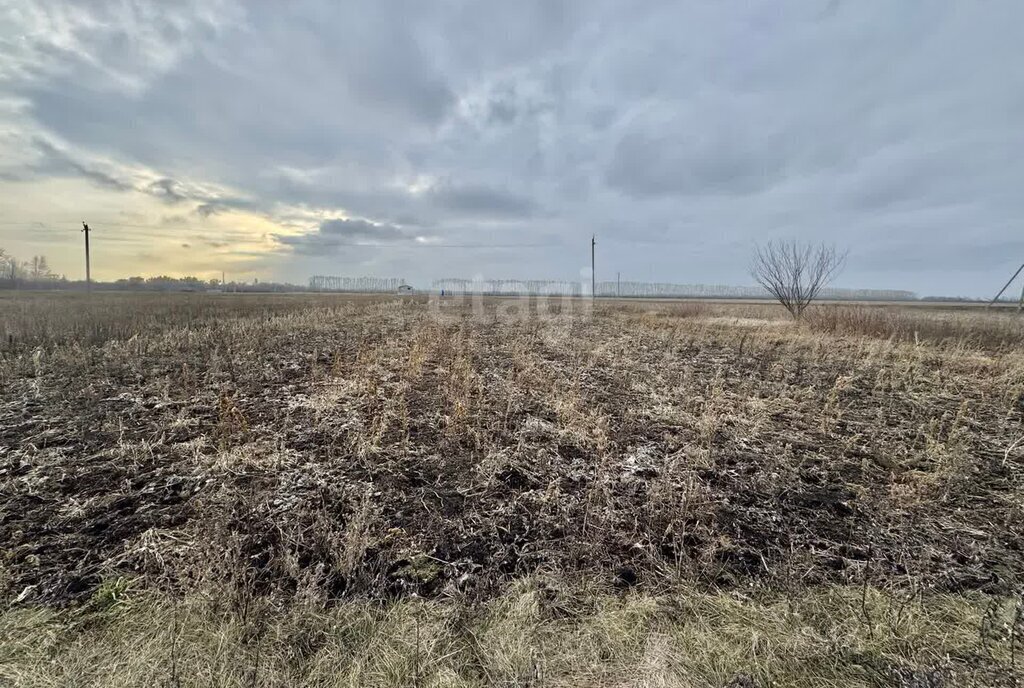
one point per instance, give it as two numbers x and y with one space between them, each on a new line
532 636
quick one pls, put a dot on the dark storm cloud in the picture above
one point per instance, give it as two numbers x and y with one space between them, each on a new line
664 126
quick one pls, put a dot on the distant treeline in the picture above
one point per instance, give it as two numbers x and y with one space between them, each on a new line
160 283
30 281
647 290
165 283
35 273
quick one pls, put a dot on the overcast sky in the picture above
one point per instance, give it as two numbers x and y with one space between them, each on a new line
459 138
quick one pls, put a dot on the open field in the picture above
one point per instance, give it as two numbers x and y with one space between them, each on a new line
326 490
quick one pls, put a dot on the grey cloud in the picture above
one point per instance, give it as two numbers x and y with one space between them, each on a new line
359 229
503 107
167 189
392 69
209 209
56 161
673 161
502 111
986 252
334 234
482 201
409 220
332 98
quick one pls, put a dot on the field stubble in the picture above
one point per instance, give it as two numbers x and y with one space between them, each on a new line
325 451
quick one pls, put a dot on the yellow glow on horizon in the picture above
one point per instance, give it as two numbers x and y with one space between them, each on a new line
134 233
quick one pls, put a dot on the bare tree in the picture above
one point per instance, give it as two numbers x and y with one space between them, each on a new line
8 266
794 272
38 269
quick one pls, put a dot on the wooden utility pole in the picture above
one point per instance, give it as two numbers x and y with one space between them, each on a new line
618 284
88 273
593 278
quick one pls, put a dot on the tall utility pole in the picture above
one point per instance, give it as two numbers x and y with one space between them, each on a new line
593 278
88 274
618 284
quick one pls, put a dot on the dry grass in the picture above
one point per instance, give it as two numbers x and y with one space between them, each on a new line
973 329
34 319
534 634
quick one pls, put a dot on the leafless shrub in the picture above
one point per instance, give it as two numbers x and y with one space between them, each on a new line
794 272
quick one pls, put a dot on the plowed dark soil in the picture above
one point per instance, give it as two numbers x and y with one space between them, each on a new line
374 449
